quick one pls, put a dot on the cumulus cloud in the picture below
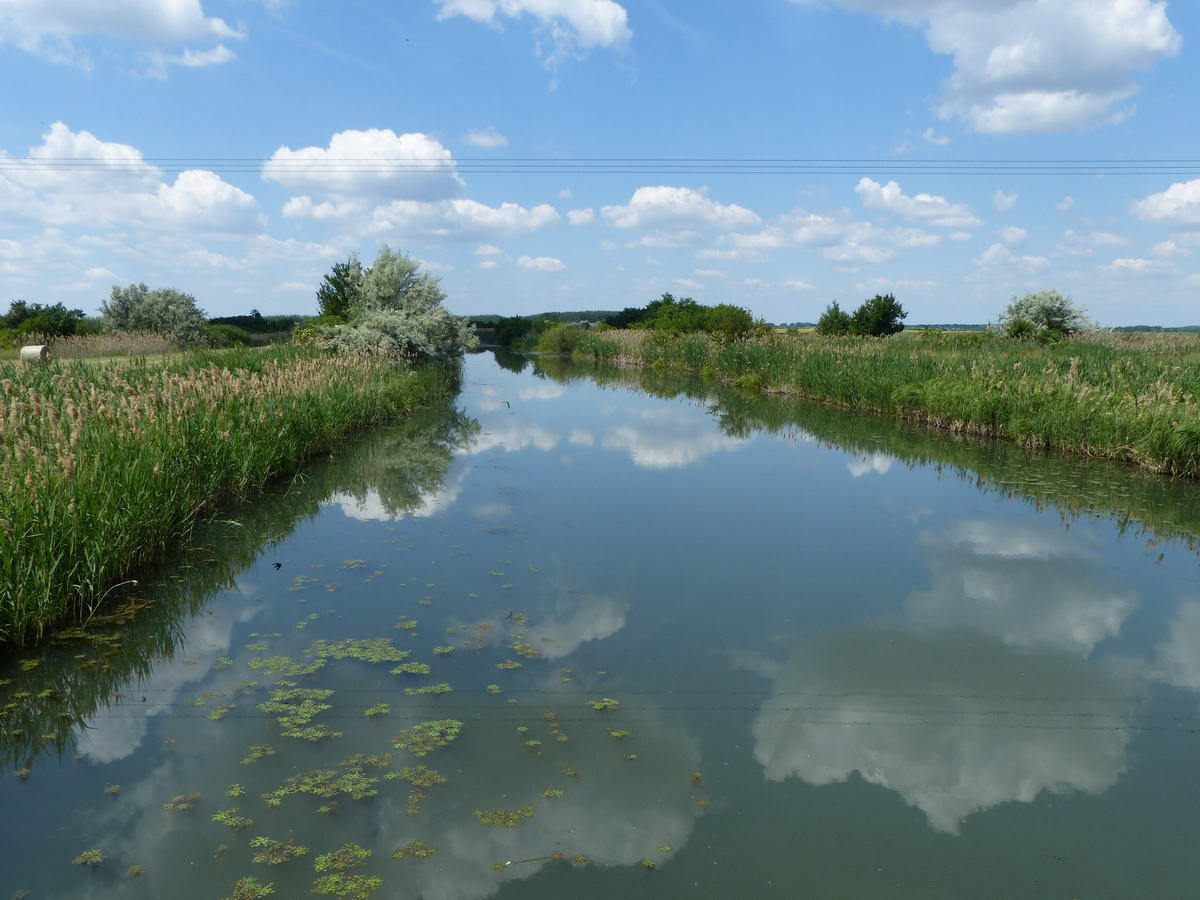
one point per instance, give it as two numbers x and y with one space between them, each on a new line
49 27
566 28
1037 65
466 220
189 59
937 210
1134 266
1013 236
677 207
1179 204
489 138
581 216
855 252
1004 202
998 256
541 263
1076 243
936 139
376 164
1066 204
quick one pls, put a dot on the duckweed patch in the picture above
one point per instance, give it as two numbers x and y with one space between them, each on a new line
285 665
426 737
134 871
504 818
375 650
494 689
412 668
235 790
273 852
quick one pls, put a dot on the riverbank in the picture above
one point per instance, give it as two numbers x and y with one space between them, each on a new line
1132 398
104 468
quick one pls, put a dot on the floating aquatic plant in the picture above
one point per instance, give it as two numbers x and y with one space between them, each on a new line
553 794
353 564
231 818
375 650
182 802
327 784
603 704
525 649
580 859
220 712
357 887
508 664
257 648
505 818
407 624
235 790
631 756
273 852
435 689
412 668
28 665
425 737
379 709
345 857
442 651
648 864
250 888
360 761
255 752
618 733
134 871
285 665
415 850
665 848
113 789
494 689
89 858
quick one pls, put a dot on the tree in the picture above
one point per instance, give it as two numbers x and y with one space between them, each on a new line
339 289
395 281
1047 310
877 317
834 320
165 311
36 318
730 324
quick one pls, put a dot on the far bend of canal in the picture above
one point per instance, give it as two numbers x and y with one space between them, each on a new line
700 644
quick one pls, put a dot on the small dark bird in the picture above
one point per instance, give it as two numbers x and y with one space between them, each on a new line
509 405
278 566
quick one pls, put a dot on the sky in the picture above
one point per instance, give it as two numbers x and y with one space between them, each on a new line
236 149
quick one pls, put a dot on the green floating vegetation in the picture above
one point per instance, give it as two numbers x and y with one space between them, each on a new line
357 887
415 850
412 668
494 689
442 651
347 856
182 802
113 789
422 776
435 689
235 790
353 564
134 871
88 858
618 734
285 665
379 709
525 649
255 752
554 793
604 703
581 859
504 818
426 737
648 864
407 624
375 650
250 888
326 784
630 756
220 712
508 664
273 852
665 848
295 718
231 818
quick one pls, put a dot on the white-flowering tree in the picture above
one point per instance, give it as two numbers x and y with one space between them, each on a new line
1044 310
164 311
396 310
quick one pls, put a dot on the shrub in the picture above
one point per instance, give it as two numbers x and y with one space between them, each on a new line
164 311
833 321
406 335
560 339
728 323
1047 309
229 336
878 317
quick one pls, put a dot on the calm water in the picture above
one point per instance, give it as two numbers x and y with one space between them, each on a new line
852 659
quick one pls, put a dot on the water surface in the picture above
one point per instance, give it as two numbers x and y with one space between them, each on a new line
849 659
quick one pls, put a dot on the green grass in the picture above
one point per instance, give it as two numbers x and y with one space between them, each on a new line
1134 398
103 468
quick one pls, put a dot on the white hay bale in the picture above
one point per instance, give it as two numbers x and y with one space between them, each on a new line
35 353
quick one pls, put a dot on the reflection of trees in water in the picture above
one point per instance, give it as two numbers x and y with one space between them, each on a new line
513 362
78 673
1150 505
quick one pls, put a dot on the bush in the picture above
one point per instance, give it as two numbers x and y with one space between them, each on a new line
307 332
165 311
229 336
560 339
1047 309
833 321
1020 329
406 335
878 317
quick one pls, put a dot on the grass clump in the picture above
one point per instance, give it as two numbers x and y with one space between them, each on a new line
103 468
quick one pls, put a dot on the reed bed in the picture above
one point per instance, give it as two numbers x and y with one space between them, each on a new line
103 468
1129 398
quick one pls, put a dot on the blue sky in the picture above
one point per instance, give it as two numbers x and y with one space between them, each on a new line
213 140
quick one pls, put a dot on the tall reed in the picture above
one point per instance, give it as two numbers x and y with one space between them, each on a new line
103 468
1134 400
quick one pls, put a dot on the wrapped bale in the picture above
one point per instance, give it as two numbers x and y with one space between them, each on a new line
35 353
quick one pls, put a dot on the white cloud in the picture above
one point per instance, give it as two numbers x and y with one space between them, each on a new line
1037 65
1140 266
302 207
999 256
293 286
1177 245
960 236
1004 202
489 264
1075 243
566 194
689 284
1066 204
854 252
541 263
488 138
569 28
97 273
1178 204
938 210
376 163
796 284
466 220
877 463
1013 236
936 139
189 59
488 250
710 273
581 216
677 207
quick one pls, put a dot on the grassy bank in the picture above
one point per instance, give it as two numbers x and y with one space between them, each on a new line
1134 398
103 468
